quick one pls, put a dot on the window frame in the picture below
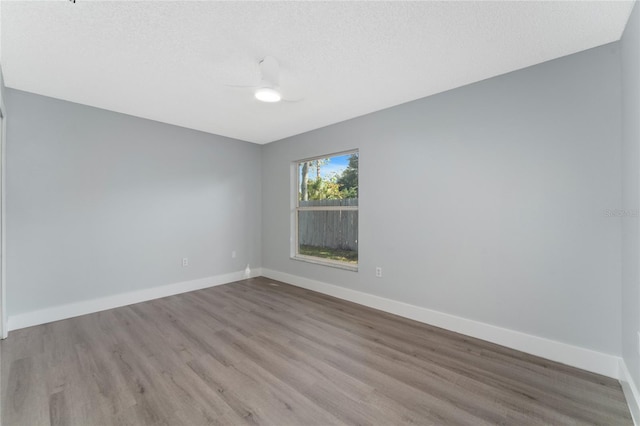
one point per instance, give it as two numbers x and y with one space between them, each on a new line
296 209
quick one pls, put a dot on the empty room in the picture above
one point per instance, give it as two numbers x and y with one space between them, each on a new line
319 213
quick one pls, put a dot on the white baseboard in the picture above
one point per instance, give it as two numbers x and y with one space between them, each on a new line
630 392
57 313
575 356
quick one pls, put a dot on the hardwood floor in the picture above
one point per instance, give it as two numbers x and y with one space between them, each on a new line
263 352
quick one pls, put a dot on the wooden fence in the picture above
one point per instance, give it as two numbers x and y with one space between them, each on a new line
329 228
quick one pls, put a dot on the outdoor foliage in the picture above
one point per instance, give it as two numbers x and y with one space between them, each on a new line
324 189
348 181
349 256
336 186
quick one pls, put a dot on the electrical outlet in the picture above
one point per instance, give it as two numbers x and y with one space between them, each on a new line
233 254
378 272
185 262
638 342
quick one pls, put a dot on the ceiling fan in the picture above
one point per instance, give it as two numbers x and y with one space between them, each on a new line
268 90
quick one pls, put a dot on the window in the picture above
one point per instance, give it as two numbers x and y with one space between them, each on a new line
326 210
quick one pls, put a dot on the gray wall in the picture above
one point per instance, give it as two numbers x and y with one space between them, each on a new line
498 190
2 87
630 48
100 203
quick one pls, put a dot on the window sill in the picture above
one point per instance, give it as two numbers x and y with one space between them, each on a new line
332 264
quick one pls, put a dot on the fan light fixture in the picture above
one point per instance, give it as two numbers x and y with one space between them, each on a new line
267 94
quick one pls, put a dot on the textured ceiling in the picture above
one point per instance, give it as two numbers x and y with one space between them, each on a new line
170 61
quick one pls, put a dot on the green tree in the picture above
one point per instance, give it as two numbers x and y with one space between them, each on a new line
304 192
348 180
305 182
324 189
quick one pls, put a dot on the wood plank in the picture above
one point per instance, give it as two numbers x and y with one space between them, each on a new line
263 352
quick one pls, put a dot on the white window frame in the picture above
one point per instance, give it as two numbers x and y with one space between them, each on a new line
295 209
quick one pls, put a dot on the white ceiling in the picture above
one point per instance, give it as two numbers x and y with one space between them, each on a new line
170 61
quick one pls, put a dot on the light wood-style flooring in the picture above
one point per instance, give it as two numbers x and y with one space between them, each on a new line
262 352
